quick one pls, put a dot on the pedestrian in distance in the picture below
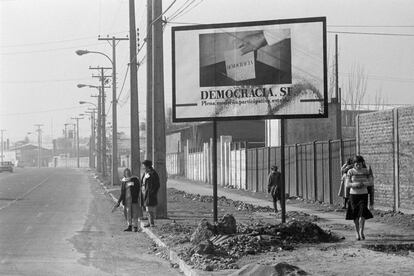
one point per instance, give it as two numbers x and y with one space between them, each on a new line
343 191
150 185
274 185
130 193
360 180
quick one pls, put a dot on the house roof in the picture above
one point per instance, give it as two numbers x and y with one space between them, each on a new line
28 147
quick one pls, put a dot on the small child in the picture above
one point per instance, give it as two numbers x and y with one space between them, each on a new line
343 191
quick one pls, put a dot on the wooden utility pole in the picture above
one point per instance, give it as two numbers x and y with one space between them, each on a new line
102 78
135 142
77 139
148 39
2 145
336 70
39 143
114 166
99 132
158 112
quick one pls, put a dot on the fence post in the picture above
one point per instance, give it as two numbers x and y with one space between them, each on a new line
330 172
245 166
315 172
396 158
256 188
357 135
297 169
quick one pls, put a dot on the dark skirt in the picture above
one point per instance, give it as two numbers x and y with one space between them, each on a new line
358 207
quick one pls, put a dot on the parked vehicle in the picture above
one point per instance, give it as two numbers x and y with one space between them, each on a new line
6 166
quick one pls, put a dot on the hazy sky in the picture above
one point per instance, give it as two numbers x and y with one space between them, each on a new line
39 69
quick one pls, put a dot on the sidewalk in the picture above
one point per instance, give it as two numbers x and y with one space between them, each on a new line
375 232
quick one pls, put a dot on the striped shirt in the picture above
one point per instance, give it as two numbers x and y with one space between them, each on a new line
362 176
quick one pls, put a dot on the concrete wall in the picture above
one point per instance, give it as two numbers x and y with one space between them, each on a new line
308 130
385 139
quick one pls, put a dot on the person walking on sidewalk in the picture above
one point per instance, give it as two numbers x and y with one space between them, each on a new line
359 179
344 192
274 185
130 192
150 186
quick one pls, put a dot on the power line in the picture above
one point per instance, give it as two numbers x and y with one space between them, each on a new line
123 83
372 26
42 111
364 33
48 50
43 81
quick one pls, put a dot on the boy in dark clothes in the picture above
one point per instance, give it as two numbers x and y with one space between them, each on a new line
274 185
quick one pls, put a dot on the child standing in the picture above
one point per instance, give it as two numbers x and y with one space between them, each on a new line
130 190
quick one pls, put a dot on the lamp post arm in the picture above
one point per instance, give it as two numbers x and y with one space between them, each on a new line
100 53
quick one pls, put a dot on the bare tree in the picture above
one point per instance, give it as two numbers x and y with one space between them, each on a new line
356 88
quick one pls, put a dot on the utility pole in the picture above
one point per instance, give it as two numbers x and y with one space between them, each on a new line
77 139
102 78
148 39
2 144
66 144
135 142
336 69
115 177
99 132
92 139
39 143
158 113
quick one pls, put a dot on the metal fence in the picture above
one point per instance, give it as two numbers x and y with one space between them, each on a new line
312 170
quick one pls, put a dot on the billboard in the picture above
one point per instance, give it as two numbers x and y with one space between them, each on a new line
250 70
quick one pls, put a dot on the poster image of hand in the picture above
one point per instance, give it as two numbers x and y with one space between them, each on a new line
257 57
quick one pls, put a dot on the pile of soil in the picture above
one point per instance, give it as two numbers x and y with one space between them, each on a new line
223 250
174 233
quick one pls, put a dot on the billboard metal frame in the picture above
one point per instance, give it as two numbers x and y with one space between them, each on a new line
248 24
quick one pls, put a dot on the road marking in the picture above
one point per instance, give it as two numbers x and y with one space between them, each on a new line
26 193
39 215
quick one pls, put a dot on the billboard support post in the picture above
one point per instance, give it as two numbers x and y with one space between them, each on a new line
282 169
214 170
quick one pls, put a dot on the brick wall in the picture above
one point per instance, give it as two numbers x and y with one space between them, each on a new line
386 140
376 146
406 157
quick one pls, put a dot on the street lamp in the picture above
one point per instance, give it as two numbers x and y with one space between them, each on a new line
115 178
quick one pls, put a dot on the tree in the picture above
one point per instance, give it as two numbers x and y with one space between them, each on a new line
356 88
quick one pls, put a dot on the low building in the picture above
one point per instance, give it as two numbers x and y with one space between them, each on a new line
28 155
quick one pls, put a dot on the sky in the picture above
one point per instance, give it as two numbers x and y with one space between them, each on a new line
39 69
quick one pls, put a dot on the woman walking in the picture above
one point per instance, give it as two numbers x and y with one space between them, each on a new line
359 180
130 192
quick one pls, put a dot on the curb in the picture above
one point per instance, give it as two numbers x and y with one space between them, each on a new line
173 256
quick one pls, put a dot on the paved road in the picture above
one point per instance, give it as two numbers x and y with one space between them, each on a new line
58 222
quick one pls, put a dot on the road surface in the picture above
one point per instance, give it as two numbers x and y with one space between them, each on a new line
56 221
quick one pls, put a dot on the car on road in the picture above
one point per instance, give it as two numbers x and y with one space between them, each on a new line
6 166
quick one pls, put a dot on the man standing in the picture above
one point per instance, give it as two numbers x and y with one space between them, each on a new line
150 186
274 185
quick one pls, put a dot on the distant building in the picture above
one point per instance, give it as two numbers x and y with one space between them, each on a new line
251 131
27 155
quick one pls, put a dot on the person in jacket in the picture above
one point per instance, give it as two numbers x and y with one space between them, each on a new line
344 192
359 179
130 192
274 186
150 185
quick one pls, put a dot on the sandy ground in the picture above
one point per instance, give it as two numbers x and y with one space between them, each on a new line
346 257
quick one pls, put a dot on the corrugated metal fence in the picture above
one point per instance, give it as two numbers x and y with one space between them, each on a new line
312 169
